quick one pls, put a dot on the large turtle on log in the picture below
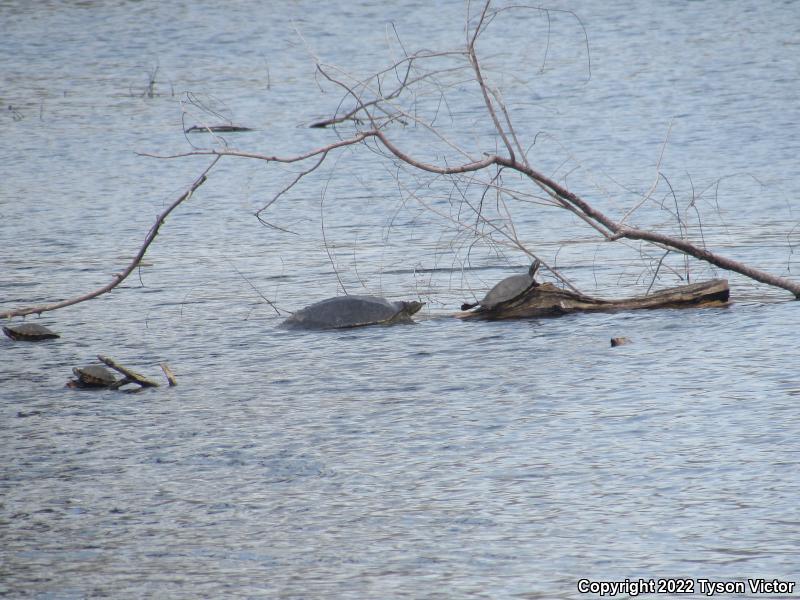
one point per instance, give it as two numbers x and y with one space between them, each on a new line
353 311
508 289
29 332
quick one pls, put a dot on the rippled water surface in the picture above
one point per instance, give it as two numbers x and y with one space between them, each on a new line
444 459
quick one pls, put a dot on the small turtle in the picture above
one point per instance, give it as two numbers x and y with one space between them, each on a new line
353 311
30 332
508 289
93 376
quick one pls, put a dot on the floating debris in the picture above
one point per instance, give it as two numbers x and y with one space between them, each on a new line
169 374
217 129
130 375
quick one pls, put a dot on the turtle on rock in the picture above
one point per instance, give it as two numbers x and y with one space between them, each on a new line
29 332
508 289
353 311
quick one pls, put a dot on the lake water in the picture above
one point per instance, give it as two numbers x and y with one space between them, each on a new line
445 459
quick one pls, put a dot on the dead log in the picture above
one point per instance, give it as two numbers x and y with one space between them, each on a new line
216 129
547 300
130 376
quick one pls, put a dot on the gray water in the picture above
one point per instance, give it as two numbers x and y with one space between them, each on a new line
445 459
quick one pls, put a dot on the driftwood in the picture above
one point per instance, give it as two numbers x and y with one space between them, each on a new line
89 378
130 376
216 129
547 300
169 374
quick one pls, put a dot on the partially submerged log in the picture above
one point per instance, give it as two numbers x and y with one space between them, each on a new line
216 129
547 300
169 374
97 377
130 376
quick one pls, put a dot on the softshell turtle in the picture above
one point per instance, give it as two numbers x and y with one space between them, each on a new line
508 289
30 332
353 311
94 376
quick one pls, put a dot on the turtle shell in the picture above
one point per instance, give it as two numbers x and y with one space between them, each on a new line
29 332
510 288
352 311
94 375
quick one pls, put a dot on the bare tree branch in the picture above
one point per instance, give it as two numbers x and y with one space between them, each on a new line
610 229
473 59
378 104
119 277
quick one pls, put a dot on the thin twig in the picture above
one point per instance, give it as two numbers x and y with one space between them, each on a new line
255 289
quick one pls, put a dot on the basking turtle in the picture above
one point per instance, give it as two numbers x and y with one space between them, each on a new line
353 311
508 289
30 332
93 376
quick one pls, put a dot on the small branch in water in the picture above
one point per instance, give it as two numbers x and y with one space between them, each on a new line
169 374
130 376
255 289
119 277
216 129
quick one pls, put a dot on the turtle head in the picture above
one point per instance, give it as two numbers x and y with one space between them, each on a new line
534 268
411 307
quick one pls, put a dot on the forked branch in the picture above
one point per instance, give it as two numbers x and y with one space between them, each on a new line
378 107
